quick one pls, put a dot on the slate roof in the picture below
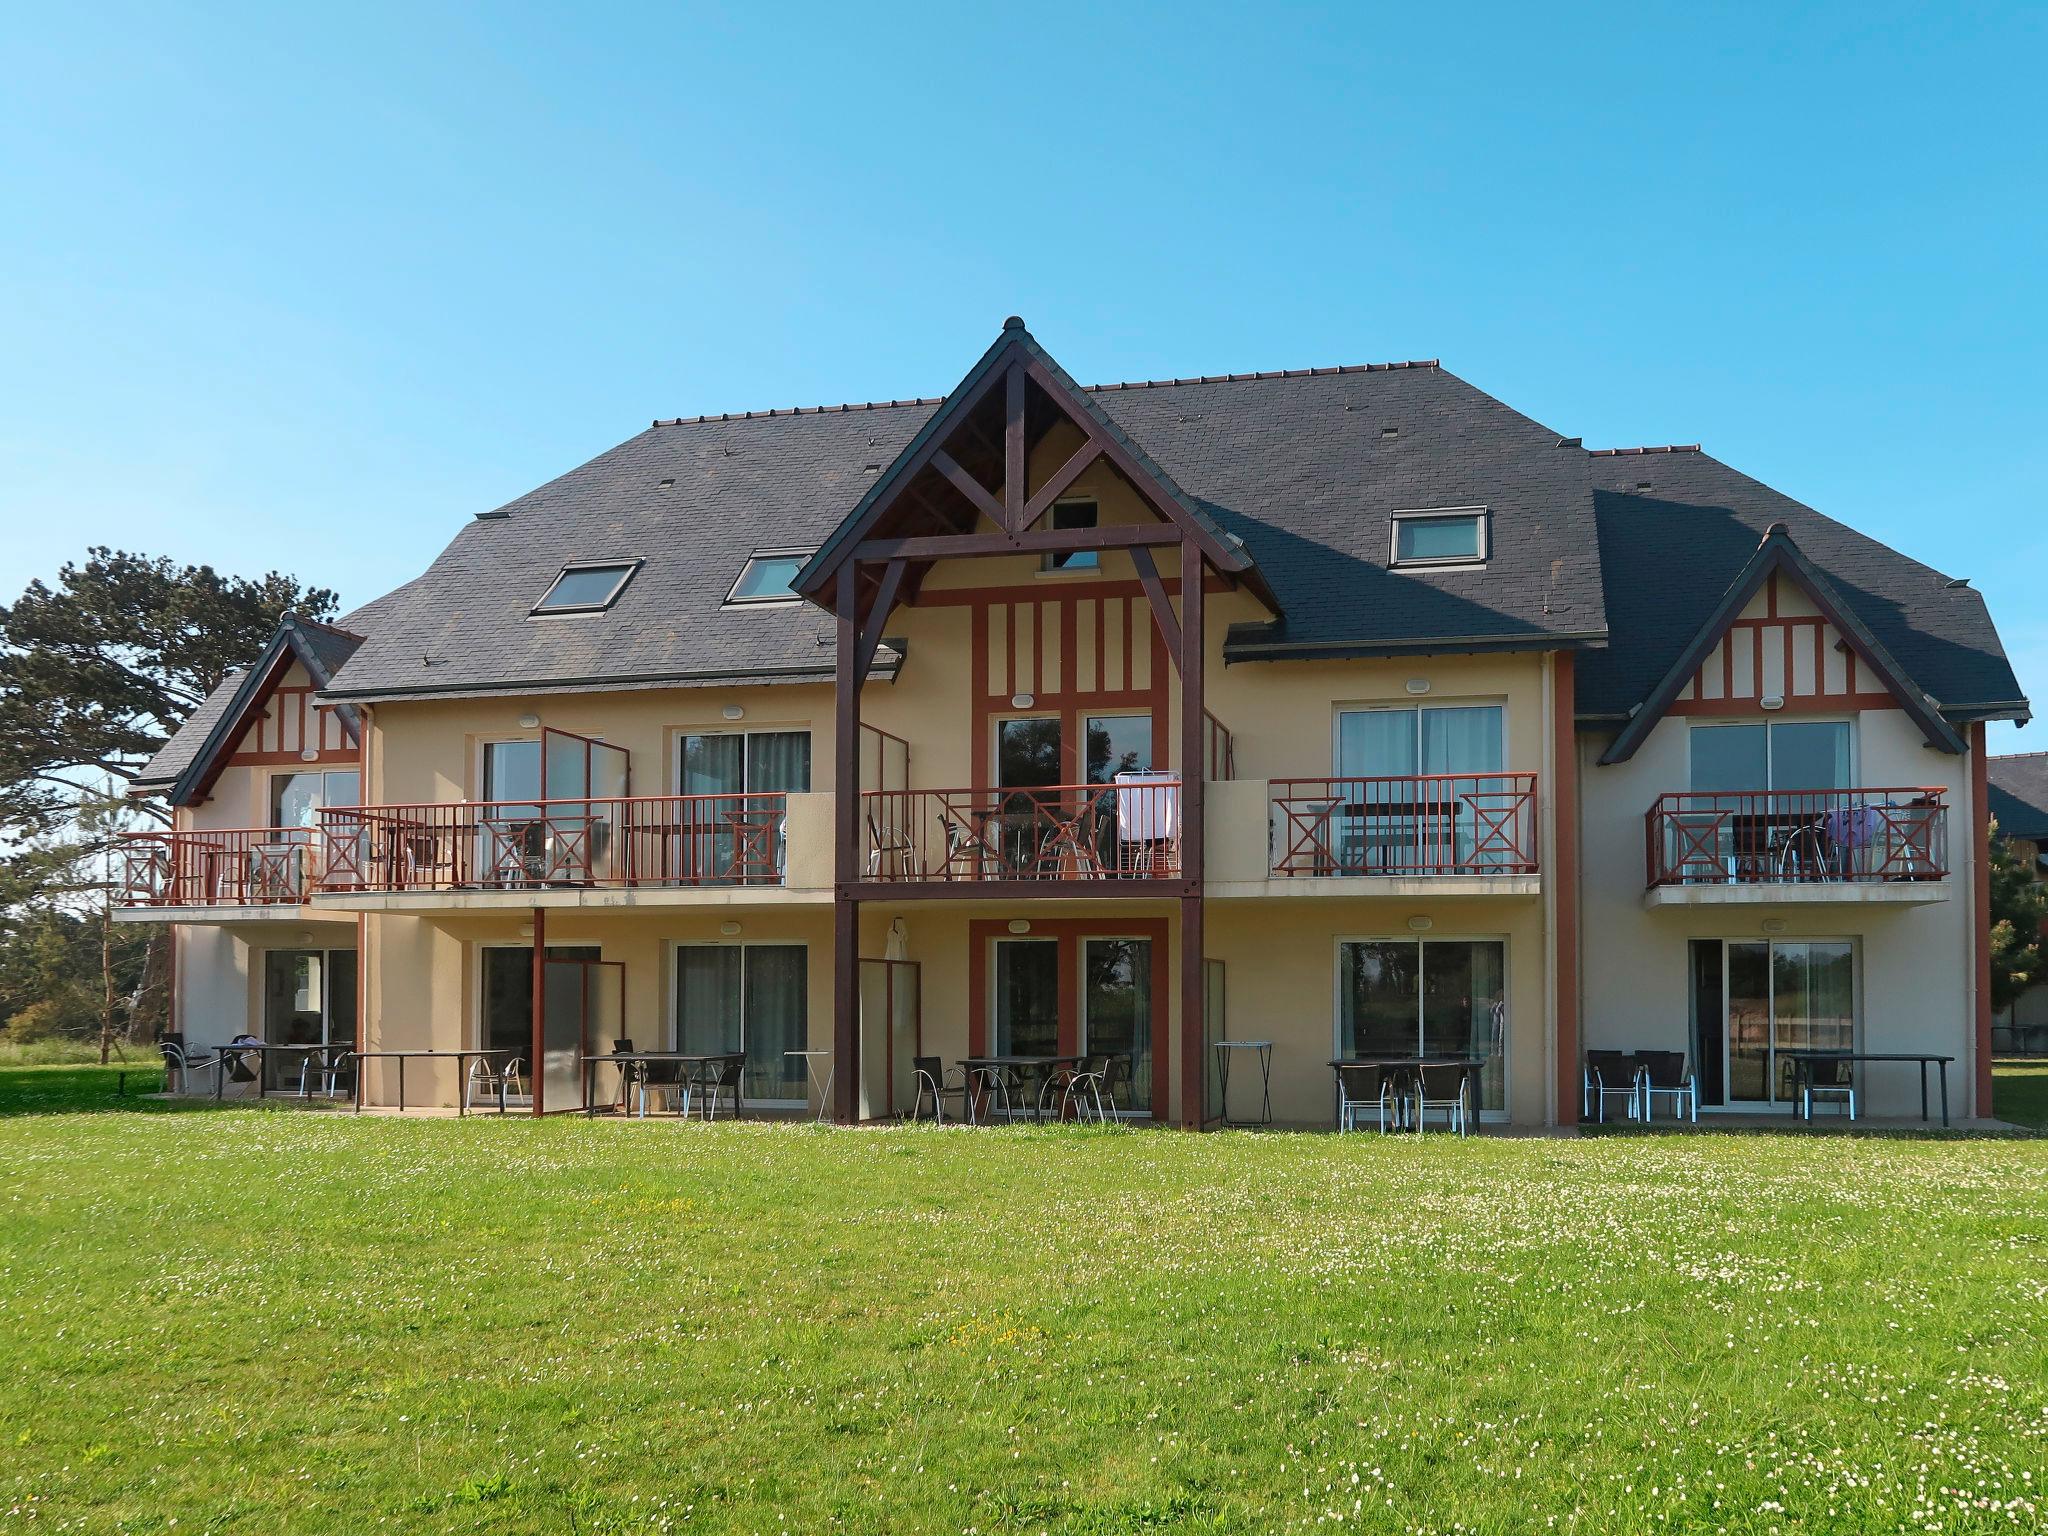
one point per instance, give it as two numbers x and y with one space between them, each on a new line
1301 466
176 755
2019 794
1669 552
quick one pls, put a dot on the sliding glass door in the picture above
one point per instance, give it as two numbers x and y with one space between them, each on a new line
1390 822
1426 997
1116 1010
736 774
1027 1011
1754 999
309 998
752 999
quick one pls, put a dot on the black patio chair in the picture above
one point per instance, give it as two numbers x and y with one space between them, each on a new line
935 1087
722 1075
1610 1075
181 1060
1447 1090
1829 1077
332 1067
1663 1072
1367 1088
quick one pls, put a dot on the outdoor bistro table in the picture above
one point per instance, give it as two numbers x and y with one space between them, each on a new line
1471 1064
1264 1048
824 1089
624 1059
260 1052
990 1075
458 1057
1803 1063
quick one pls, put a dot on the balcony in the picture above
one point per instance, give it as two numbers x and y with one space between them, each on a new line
1869 845
552 852
1427 829
256 873
1106 837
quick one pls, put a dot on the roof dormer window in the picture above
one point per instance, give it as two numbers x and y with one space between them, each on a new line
768 577
1441 536
586 587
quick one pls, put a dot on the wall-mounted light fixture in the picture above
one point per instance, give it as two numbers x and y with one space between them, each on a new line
526 930
1772 701
1022 700
1774 925
733 712
728 927
1417 685
309 754
1421 924
529 721
1018 925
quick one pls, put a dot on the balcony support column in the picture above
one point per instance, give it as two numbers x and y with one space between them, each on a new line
540 1003
846 803
1193 768
1563 881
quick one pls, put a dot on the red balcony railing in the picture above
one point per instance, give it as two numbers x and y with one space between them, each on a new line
244 867
655 840
1122 831
1756 837
1429 824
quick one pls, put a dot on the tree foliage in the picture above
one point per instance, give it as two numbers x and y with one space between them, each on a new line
96 672
2019 906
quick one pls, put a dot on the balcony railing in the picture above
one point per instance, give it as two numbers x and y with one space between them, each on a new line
1123 831
243 867
1429 824
656 840
1757 837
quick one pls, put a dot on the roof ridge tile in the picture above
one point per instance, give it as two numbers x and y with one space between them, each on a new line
1629 453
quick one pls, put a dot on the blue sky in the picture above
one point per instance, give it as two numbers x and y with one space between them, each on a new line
283 287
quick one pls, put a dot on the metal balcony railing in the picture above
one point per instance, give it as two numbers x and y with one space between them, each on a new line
1805 836
1421 824
1128 830
242 867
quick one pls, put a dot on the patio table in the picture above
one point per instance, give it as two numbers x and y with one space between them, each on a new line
824 1089
991 1070
1264 1056
261 1053
458 1057
1803 1062
622 1059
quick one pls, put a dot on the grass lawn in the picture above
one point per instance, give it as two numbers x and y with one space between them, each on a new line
266 1320
2020 1091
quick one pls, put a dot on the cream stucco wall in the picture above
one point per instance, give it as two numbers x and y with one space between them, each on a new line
1915 965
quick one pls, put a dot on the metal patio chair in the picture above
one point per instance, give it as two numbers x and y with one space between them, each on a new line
499 1079
1447 1090
182 1060
1663 1073
1364 1089
328 1067
1610 1075
1835 1080
722 1074
936 1086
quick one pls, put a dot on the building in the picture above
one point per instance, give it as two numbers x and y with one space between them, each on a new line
803 730
2019 804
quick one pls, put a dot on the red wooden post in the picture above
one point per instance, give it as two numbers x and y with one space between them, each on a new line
1564 880
1192 867
1980 915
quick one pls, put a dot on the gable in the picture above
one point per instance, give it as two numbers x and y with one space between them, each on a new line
289 726
1781 647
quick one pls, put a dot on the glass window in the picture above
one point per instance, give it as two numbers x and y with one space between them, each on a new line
1027 997
1116 1009
512 770
583 588
1028 752
1773 755
1397 743
1118 744
1439 538
1777 997
294 797
1432 997
1074 514
750 998
768 578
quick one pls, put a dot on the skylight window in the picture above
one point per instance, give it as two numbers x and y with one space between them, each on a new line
768 577
1454 536
587 588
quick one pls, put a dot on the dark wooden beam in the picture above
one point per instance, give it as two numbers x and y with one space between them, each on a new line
1193 766
846 854
971 488
1041 541
1015 449
1050 492
540 995
878 615
1155 594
